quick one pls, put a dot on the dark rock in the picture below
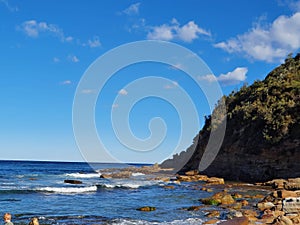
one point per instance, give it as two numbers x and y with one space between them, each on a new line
72 181
252 150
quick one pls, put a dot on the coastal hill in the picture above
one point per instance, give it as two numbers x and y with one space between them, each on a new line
262 138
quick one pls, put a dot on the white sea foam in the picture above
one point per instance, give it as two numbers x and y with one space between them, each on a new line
133 186
68 189
83 175
189 221
129 184
137 174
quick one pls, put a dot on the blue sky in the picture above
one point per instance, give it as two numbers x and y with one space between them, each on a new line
46 47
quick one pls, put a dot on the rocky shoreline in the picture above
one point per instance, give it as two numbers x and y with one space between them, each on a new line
273 202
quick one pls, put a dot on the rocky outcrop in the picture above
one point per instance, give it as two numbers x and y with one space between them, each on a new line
262 138
72 181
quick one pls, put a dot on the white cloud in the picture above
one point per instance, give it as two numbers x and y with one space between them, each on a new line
33 29
163 32
177 66
209 77
88 91
186 33
94 43
234 77
172 85
190 31
9 6
132 9
123 92
271 43
114 106
56 60
73 58
66 82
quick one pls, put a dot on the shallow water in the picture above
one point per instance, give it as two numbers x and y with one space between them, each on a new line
37 189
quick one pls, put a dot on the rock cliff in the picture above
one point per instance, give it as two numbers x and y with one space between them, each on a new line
262 138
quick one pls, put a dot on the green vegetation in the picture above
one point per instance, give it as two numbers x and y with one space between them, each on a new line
273 104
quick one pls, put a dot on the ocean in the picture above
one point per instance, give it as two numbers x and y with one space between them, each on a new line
37 189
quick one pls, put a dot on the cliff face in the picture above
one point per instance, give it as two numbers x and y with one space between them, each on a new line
262 139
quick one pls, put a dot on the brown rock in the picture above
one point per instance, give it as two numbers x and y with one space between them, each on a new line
184 178
258 196
227 200
201 177
192 172
276 183
237 195
284 194
105 176
296 219
250 214
236 221
245 203
214 213
214 221
283 220
215 180
169 187
262 206
146 209
206 189
292 186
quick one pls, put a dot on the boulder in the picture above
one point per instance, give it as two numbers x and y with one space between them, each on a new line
227 199
262 206
291 205
72 181
236 221
192 173
283 220
284 194
146 208
292 186
215 180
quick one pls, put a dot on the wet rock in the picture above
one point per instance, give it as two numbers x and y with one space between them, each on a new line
227 200
169 187
194 208
218 198
244 202
206 189
236 221
105 176
237 206
72 181
213 214
214 221
237 195
215 180
146 208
